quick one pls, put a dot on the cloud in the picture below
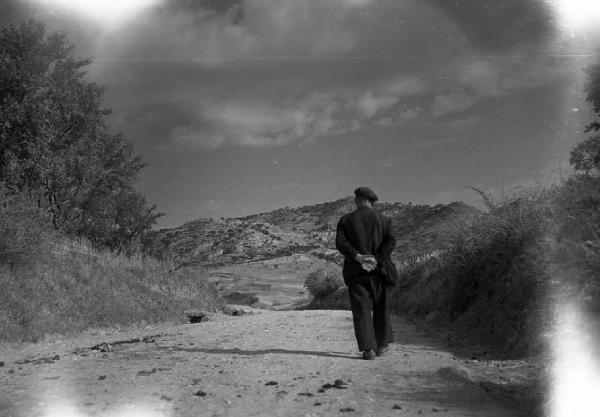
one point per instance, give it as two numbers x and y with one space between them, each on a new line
398 118
494 80
256 123
456 100
481 79
276 72
501 26
283 120
216 32
410 114
219 30
369 104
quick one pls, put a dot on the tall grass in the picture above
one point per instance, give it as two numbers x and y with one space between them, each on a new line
577 230
81 288
327 289
53 284
491 280
24 229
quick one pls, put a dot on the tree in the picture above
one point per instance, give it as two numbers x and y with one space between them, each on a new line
592 89
585 156
55 143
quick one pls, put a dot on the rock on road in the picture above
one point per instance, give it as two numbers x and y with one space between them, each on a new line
274 363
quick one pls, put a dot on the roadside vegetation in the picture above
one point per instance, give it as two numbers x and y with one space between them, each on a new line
72 223
504 273
491 282
71 286
501 274
327 289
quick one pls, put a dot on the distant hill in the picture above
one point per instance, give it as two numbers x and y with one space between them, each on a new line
419 229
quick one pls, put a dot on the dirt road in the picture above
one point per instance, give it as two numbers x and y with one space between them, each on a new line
267 364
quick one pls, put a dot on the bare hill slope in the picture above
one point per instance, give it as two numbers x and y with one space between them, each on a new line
420 229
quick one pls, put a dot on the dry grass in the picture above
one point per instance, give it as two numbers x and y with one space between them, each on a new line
72 287
490 281
576 250
24 229
328 290
323 283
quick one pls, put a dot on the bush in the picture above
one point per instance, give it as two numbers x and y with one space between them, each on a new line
77 287
323 283
491 279
577 247
24 229
55 139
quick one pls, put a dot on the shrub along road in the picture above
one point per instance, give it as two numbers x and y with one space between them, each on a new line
287 363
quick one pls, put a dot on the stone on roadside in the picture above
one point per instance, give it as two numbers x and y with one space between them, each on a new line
102 347
146 373
196 316
457 373
238 310
339 384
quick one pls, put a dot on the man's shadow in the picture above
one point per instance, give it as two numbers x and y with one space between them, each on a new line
236 351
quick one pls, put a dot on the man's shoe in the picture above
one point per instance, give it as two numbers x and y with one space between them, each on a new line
368 355
382 350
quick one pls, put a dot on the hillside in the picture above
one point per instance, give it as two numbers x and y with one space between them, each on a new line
67 286
419 229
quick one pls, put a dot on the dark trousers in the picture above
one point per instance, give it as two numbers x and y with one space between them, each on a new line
369 300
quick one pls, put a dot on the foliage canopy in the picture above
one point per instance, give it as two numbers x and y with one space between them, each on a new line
56 145
585 156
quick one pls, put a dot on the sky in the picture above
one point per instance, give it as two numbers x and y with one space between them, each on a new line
244 106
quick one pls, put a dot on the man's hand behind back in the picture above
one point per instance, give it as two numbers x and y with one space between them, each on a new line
367 262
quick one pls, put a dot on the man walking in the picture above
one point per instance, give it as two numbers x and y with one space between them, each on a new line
365 239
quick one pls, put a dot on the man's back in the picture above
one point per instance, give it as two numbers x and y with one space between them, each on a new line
365 239
364 231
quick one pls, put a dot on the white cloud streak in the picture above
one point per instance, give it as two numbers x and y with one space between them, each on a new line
258 122
480 80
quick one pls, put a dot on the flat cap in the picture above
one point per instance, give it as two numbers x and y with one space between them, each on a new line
366 193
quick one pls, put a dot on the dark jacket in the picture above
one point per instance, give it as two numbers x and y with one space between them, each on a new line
368 232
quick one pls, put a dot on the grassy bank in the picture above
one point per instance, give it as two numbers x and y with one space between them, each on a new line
327 290
503 275
492 281
75 288
68 287
53 284
500 277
